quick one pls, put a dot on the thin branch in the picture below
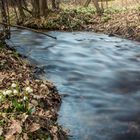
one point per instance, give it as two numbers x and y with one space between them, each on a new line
33 30
27 10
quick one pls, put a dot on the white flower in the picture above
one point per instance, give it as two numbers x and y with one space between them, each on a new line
29 89
7 92
15 91
4 93
13 85
25 98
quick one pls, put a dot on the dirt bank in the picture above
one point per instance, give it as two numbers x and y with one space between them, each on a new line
28 107
124 23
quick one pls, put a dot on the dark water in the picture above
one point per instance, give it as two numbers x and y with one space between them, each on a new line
99 77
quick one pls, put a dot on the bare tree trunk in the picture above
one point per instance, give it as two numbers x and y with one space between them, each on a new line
102 6
106 3
53 4
36 8
20 9
43 7
6 29
96 4
12 3
57 4
87 3
98 9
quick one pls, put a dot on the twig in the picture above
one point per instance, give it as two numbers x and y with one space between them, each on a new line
27 10
33 30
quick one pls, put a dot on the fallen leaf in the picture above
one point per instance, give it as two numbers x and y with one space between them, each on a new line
1 131
54 129
34 102
14 128
25 136
34 127
24 117
10 137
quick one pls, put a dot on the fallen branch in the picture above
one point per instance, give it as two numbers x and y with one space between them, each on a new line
27 10
33 30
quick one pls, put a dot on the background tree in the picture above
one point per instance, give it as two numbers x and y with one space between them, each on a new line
5 19
96 4
20 9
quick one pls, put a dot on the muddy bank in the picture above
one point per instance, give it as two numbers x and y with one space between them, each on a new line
28 106
123 23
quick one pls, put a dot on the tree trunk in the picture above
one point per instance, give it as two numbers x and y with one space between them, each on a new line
57 4
53 4
20 9
87 3
43 7
96 4
6 29
98 9
36 8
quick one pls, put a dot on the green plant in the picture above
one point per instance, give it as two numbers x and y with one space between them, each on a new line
106 18
17 98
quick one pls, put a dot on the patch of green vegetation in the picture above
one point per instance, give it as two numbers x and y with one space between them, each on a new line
138 8
2 122
2 138
70 19
1 45
112 10
106 18
16 54
17 98
87 10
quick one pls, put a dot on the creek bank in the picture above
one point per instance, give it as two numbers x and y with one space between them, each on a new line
28 106
123 23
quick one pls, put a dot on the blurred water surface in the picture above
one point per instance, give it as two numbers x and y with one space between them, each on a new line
98 76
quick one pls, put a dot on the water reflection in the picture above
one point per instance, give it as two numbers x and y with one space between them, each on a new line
99 77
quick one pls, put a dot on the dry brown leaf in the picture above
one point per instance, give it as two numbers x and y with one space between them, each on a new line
27 82
10 137
25 136
17 71
1 131
34 102
14 128
34 127
54 129
24 117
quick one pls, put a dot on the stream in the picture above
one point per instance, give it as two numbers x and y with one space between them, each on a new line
98 77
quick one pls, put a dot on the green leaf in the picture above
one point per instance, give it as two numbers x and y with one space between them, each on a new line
31 110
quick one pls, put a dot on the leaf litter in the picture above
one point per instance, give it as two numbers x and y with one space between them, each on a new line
28 106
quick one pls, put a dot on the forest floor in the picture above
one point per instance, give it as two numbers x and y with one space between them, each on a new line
123 23
28 107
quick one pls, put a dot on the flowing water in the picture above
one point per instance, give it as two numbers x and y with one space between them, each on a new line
98 76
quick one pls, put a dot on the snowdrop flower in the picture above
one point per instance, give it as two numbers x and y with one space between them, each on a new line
4 93
7 92
29 90
25 98
15 91
13 85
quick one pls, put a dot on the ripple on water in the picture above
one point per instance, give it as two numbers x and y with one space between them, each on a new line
99 77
